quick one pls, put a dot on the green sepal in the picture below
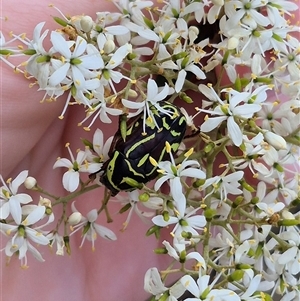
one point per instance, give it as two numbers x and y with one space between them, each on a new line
243 266
198 183
67 244
29 52
43 59
166 216
179 55
238 84
154 230
209 147
187 235
225 57
166 37
60 21
238 200
246 186
288 222
21 231
6 52
164 297
185 98
75 61
87 143
236 275
73 90
149 23
125 208
161 251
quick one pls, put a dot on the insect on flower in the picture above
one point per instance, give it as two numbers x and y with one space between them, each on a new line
129 154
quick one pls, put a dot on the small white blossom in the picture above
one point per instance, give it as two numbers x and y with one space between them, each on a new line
90 229
11 200
22 233
71 177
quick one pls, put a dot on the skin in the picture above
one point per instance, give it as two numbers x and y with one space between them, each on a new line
32 137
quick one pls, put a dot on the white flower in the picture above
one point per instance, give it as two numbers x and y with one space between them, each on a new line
132 200
154 96
184 222
75 166
90 229
100 149
225 184
213 13
109 75
291 257
154 286
175 173
204 291
100 108
230 112
246 11
54 237
178 252
76 61
153 283
23 233
10 200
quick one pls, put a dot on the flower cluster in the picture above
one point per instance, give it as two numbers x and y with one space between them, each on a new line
228 194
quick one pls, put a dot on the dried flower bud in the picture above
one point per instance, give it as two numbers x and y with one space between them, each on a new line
30 182
45 202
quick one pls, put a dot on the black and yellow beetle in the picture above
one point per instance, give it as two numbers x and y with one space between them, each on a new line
129 154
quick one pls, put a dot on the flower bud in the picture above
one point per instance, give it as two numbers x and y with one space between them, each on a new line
30 182
74 218
109 46
86 23
232 43
275 140
287 215
193 33
132 93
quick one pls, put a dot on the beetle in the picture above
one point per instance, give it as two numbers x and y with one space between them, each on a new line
129 154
